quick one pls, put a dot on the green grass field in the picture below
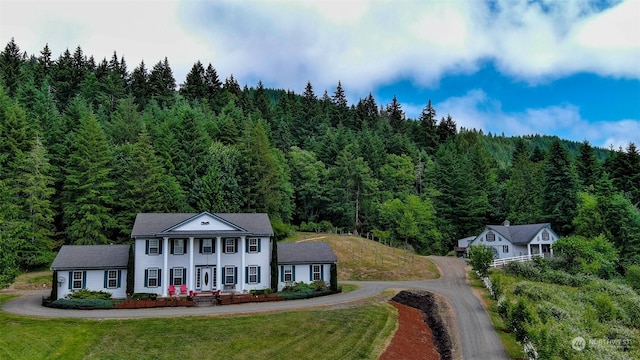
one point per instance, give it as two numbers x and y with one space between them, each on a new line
358 332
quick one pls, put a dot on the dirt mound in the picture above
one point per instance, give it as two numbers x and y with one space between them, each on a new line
426 303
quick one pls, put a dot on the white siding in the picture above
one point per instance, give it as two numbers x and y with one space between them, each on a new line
94 280
302 273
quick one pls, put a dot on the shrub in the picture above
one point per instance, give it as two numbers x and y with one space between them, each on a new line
82 304
632 276
481 257
528 270
319 285
89 294
145 296
519 317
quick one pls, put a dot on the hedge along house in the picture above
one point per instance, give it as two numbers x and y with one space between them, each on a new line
198 252
518 240
305 262
93 267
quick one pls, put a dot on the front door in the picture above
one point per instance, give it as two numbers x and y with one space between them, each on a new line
203 278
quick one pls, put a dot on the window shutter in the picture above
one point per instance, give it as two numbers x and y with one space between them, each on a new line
214 241
184 275
172 241
70 279
106 272
246 245
321 272
259 244
235 248
146 249
201 245
185 242
159 277
146 277
160 242
293 273
281 273
235 274
170 276
246 274
259 274
119 278
84 279
310 272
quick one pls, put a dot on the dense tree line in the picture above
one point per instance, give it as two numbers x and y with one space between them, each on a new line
87 144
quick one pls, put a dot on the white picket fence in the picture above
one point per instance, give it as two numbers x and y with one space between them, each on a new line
505 261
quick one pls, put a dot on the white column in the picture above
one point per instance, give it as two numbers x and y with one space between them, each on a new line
540 249
191 270
218 247
529 250
243 245
551 249
165 265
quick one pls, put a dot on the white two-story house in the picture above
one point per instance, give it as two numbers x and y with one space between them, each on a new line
197 252
508 240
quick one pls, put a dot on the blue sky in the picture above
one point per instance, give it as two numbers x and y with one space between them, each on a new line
569 68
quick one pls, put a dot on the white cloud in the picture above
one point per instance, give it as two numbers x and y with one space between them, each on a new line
475 110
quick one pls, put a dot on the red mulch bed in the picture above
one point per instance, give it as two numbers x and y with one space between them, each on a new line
413 339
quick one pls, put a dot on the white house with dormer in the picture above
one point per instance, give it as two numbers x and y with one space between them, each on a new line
508 240
201 252
184 253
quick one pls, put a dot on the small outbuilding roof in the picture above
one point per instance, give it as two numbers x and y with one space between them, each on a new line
306 253
90 257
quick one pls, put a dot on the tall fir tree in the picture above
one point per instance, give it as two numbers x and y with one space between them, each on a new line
559 202
89 189
162 84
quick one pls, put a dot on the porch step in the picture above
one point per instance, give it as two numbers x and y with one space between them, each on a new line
206 299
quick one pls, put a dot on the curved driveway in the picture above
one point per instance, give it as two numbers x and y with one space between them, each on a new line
477 336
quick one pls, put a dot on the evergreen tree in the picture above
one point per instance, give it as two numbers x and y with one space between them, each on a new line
89 190
214 89
396 116
560 189
309 178
340 107
125 124
428 135
195 86
11 60
221 182
262 102
588 166
162 84
139 86
8 223
35 189
446 129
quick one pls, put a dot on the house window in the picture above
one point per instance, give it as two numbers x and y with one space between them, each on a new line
287 273
229 275
491 236
230 245
252 274
253 245
207 246
154 247
178 276
112 279
545 235
152 278
214 281
78 280
505 248
316 272
178 246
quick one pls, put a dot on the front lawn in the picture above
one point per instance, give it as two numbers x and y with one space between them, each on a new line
354 333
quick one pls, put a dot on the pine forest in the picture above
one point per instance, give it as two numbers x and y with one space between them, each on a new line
86 144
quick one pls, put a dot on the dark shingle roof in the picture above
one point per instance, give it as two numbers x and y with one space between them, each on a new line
91 257
305 253
152 224
519 234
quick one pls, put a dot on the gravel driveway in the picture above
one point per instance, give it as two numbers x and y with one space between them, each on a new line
479 339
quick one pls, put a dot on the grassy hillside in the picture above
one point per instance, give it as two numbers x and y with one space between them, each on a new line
363 259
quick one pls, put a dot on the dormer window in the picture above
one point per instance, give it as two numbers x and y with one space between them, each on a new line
491 236
545 235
